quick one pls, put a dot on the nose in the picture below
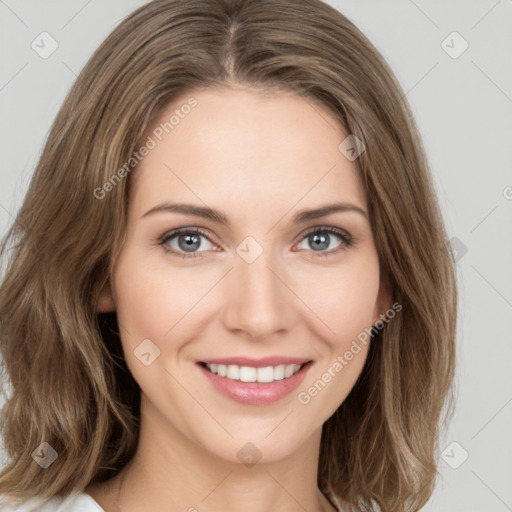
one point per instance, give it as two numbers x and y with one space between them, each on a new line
258 304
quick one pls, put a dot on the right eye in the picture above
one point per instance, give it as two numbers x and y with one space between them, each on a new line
185 242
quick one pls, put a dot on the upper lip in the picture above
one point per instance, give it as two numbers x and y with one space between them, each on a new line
256 363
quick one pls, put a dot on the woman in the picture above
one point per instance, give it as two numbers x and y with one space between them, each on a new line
229 284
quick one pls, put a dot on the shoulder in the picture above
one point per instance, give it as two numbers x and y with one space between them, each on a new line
75 502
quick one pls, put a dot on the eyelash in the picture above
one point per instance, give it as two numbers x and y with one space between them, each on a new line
346 239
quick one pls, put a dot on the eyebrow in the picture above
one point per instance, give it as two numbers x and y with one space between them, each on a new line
221 218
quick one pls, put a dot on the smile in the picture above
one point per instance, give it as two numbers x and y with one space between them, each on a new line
255 385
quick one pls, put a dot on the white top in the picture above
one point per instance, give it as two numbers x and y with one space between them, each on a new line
75 502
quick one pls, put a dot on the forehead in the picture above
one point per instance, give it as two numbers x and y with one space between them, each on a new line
255 148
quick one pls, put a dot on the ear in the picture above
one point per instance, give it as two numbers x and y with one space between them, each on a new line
383 302
106 302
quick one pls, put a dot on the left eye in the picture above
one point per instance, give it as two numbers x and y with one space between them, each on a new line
322 239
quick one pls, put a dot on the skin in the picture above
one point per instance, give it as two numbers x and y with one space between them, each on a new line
260 158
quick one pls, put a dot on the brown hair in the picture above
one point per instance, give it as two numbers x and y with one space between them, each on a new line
70 385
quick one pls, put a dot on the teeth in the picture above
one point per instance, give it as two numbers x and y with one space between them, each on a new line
251 374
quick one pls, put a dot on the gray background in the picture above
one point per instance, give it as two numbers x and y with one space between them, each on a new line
463 107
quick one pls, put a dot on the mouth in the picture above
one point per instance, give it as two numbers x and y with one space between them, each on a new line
254 385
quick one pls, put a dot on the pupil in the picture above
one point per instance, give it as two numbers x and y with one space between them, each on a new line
321 239
192 242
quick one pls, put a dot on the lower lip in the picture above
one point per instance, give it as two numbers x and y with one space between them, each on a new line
256 393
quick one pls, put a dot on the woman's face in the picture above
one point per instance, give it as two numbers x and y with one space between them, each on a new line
262 279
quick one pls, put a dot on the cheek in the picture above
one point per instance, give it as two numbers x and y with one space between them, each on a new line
344 303
150 299
342 300
152 304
